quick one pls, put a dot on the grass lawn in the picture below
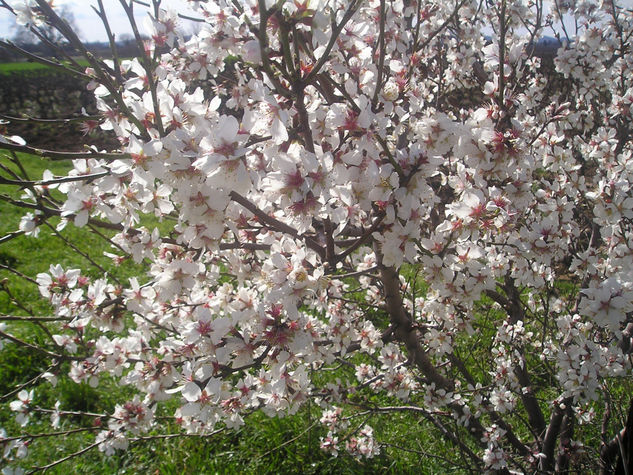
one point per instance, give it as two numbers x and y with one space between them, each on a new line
263 445
20 66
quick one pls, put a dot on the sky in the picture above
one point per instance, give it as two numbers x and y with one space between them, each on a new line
87 21
91 28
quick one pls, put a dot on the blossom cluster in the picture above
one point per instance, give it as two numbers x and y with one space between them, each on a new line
319 198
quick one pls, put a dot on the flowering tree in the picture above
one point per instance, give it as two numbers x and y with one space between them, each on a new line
402 190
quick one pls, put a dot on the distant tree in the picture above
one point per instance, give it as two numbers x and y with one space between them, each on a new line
31 34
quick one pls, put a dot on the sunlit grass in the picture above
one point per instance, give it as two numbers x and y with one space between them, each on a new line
19 66
263 445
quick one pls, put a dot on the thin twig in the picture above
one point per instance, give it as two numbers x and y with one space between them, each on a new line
64 459
290 441
59 155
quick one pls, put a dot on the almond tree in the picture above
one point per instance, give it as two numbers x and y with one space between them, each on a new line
410 193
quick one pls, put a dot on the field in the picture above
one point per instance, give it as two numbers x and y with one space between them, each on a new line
20 66
263 445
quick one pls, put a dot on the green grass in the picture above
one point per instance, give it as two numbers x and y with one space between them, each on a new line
263 445
260 447
32 256
20 66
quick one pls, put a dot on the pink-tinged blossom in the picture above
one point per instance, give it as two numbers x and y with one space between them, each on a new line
22 407
58 281
393 220
29 224
267 117
28 14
